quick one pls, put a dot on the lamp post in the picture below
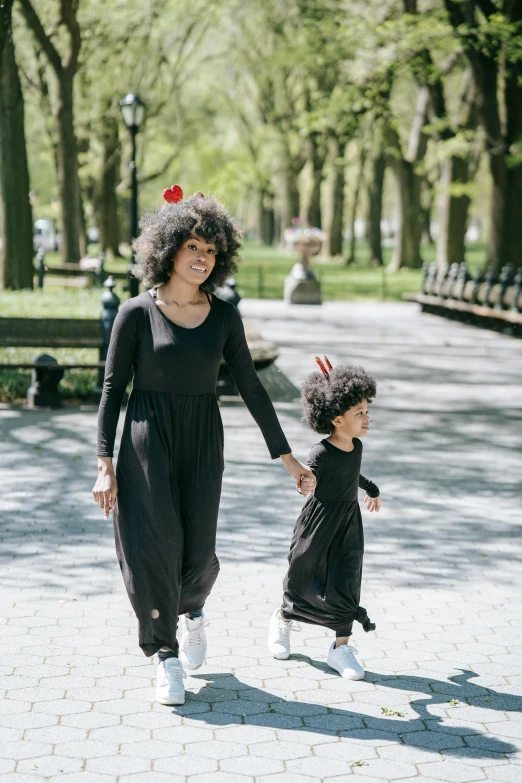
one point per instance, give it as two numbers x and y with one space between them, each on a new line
133 111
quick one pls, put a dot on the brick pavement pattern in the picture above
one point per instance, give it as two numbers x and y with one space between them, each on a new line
442 696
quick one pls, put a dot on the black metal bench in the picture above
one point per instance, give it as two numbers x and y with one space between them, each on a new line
94 333
59 333
483 300
94 274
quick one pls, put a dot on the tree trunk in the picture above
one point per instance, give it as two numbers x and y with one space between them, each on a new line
84 249
266 218
65 68
278 221
316 156
68 182
6 11
314 216
375 193
16 254
426 209
336 226
499 101
292 204
452 213
355 203
407 246
105 196
505 236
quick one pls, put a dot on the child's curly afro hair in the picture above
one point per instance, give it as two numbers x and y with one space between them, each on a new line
163 231
323 400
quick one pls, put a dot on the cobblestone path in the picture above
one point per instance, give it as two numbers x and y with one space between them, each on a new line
442 696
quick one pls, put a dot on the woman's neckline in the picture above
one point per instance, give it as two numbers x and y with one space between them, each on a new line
343 451
210 299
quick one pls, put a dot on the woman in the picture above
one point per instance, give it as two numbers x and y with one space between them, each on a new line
166 491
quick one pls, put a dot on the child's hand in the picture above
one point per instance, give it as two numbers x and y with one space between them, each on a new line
307 485
373 504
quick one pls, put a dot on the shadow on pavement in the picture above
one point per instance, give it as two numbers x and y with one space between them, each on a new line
256 707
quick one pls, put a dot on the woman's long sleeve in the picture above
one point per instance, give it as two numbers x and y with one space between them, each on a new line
254 394
118 372
317 459
371 489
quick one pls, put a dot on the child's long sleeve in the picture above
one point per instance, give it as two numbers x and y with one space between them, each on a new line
371 489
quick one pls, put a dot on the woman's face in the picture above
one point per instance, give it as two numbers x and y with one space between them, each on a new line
195 260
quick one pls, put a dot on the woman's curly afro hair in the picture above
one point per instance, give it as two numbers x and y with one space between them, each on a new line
323 399
163 231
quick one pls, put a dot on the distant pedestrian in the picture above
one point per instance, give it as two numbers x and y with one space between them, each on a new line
166 490
323 582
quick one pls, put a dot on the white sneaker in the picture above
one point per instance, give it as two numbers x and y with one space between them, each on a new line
343 660
169 682
193 644
279 636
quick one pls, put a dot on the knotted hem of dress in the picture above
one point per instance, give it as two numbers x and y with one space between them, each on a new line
361 617
340 630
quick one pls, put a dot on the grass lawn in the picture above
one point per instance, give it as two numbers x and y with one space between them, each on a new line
264 269
261 274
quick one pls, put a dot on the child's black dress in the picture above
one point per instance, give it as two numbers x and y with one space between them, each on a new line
323 582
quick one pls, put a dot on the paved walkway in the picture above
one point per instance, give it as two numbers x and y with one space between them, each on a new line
442 696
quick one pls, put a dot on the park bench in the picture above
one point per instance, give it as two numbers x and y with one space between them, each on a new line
93 333
483 300
88 272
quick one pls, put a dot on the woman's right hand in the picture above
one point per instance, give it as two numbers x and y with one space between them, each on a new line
105 488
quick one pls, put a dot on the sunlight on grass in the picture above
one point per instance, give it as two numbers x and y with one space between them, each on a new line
261 274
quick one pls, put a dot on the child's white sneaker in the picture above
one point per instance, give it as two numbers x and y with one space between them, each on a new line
279 636
169 682
343 660
193 644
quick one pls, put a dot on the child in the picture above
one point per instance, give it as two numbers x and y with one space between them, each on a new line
323 582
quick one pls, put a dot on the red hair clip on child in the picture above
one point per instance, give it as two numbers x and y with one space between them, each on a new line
325 368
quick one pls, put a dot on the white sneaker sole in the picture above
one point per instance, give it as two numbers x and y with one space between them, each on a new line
191 666
352 676
281 656
348 676
171 701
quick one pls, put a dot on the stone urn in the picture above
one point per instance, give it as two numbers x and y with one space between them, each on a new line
301 285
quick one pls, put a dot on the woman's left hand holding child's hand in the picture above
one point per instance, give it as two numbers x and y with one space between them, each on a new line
298 471
307 485
373 504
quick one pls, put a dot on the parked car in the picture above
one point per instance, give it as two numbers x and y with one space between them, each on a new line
93 235
45 235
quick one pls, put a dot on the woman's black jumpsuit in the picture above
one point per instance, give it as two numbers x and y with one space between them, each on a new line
170 461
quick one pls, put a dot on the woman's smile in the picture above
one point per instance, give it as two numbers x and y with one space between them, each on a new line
201 270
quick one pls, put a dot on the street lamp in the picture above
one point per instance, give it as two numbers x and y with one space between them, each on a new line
133 111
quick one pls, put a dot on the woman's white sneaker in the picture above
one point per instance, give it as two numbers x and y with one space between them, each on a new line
193 644
343 660
279 636
169 682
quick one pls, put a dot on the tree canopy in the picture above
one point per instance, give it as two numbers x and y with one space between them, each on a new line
322 110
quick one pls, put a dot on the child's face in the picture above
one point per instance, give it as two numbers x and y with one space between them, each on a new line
355 422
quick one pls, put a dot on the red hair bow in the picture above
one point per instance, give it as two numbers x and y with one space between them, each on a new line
173 195
324 369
